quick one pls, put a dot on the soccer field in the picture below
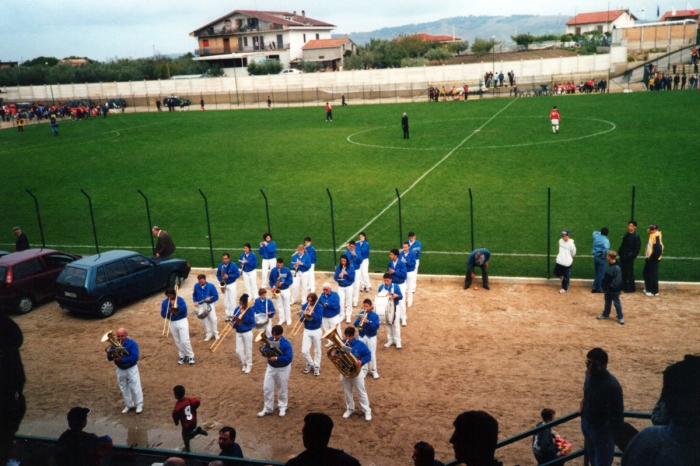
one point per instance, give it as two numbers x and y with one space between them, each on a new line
503 149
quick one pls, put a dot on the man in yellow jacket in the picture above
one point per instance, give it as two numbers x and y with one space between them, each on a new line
653 253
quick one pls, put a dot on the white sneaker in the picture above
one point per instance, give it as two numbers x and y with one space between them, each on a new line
398 346
307 369
562 290
283 413
248 369
403 324
126 410
347 414
243 368
208 337
139 410
216 337
375 374
387 344
368 416
263 413
289 322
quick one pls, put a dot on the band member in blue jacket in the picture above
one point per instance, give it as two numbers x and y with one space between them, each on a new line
243 321
478 258
363 246
205 292
228 273
331 310
367 323
345 276
249 262
311 251
363 356
268 253
312 316
417 249
397 269
128 376
175 311
409 258
356 260
281 279
265 306
393 330
300 266
279 367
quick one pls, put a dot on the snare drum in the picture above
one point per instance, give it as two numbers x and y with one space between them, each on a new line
202 311
261 320
384 307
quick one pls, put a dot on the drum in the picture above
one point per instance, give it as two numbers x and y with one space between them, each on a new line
203 310
384 307
261 320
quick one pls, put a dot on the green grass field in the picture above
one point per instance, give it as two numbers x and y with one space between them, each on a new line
606 145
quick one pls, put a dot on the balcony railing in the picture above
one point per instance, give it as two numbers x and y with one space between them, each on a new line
206 51
242 30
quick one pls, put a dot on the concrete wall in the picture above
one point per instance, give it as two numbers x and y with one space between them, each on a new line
657 36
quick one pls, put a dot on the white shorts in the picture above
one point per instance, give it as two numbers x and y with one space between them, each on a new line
555 122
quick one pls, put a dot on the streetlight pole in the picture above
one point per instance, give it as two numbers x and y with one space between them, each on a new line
493 64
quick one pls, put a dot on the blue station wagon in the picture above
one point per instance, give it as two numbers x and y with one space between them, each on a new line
99 283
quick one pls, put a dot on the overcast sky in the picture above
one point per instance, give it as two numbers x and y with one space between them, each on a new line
102 29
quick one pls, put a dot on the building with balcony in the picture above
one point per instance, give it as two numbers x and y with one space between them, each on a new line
242 36
600 21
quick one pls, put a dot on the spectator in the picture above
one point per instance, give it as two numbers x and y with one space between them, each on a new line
474 439
174 461
22 242
678 443
77 448
12 379
627 253
612 284
478 258
565 257
164 246
653 253
601 245
424 455
316 434
543 446
227 443
659 415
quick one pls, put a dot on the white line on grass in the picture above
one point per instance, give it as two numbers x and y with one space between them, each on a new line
431 169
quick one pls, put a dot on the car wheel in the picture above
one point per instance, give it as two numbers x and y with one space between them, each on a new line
106 308
25 304
174 280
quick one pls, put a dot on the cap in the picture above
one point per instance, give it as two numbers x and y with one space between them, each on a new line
565 233
155 227
16 229
653 226
77 415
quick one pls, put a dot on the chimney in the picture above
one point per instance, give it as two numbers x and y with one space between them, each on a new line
295 12
303 14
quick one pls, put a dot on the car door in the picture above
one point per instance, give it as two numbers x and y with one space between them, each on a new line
31 278
119 281
145 275
55 263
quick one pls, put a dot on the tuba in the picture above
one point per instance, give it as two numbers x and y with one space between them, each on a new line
266 349
115 348
345 362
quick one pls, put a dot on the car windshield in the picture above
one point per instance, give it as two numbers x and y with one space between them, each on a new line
3 273
72 276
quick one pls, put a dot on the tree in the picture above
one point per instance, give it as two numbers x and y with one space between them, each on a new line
481 47
264 67
413 45
41 61
523 39
457 47
440 54
311 66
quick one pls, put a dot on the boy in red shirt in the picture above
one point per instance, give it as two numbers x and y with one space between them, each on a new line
185 413
554 116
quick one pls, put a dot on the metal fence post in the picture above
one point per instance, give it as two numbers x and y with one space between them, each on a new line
549 231
633 196
400 221
38 216
471 216
267 211
150 225
206 208
92 216
335 252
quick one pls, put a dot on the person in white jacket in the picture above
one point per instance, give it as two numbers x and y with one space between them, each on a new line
567 251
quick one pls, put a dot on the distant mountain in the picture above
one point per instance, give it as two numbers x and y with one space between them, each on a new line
469 27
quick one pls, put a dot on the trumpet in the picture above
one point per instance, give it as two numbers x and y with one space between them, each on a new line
361 325
115 348
303 316
228 328
270 351
169 315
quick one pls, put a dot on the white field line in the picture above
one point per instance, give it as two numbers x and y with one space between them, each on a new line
430 170
443 253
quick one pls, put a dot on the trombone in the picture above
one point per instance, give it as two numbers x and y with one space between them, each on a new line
227 330
303 316
169 314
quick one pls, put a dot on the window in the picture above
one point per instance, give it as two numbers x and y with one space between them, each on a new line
3 273
73 276
280 41
600 28
304 38
316 36
100 276
205 43
57 261
139 263
321 57
116 270
27 269
245 42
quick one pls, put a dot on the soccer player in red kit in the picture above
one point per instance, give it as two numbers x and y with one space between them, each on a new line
554 116
185 413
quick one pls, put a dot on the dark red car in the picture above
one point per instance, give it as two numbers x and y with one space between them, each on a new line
28 277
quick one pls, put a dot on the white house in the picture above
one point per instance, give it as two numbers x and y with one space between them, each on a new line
601 21
329 52
250 35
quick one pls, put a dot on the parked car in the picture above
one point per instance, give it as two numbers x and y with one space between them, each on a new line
3 253
176 101
98 284
291 71
27 277
116 103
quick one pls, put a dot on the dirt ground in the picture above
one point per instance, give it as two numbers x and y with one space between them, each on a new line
510 351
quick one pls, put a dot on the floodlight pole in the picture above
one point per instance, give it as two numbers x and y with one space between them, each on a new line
150 225
267 211
634 189
493 64
38 216
471 215
335 252
400 221
549 230
206 208
92 216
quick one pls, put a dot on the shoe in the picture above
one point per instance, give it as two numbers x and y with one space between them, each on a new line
289 322
466 286
139 410
307 369
644 291
248 369
347 414
486 287
562 290
354 304
368 417
648 293
317 371
403 324
243 368
375 374
263 413
126 410
216 337
182 360
619 321
602 317
191 361
399 346
208 337
596 291
283 413
347 320
387 345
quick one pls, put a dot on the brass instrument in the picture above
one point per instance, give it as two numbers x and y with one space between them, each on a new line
361 325
225 332
303 316
271 351
169 315
222 283
115 348
345 362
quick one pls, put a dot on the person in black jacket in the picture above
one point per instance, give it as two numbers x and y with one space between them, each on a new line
316 434
543 446
22 242
164 246
404 125
612 284
626 254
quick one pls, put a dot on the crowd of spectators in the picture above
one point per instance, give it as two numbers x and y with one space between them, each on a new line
587 87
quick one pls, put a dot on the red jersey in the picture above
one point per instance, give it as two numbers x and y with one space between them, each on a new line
554 115
329 108
185 412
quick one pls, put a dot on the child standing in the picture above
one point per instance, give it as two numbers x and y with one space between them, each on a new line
185 413
20 125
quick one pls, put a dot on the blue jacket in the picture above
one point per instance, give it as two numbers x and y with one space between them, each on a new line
201 293
262 306
369 330
393 289
471 262
601 244
359 350
416 247
399 275
311 251
180 305
130 360
330 303
286 280
305 260
252 261
408 259
316 314
348 279
363 247
247 322
286 358
231 270
356 260
268 251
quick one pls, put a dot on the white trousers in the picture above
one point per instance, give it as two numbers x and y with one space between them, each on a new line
276 377
329 322
410 287
371 343
244 347
251 285
401 309
210 323
229 299
345 293
283 307
355 290
312 279
357 383
364 275
267 265
300 287
129 381
414 283
312 336
393 331
180 330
